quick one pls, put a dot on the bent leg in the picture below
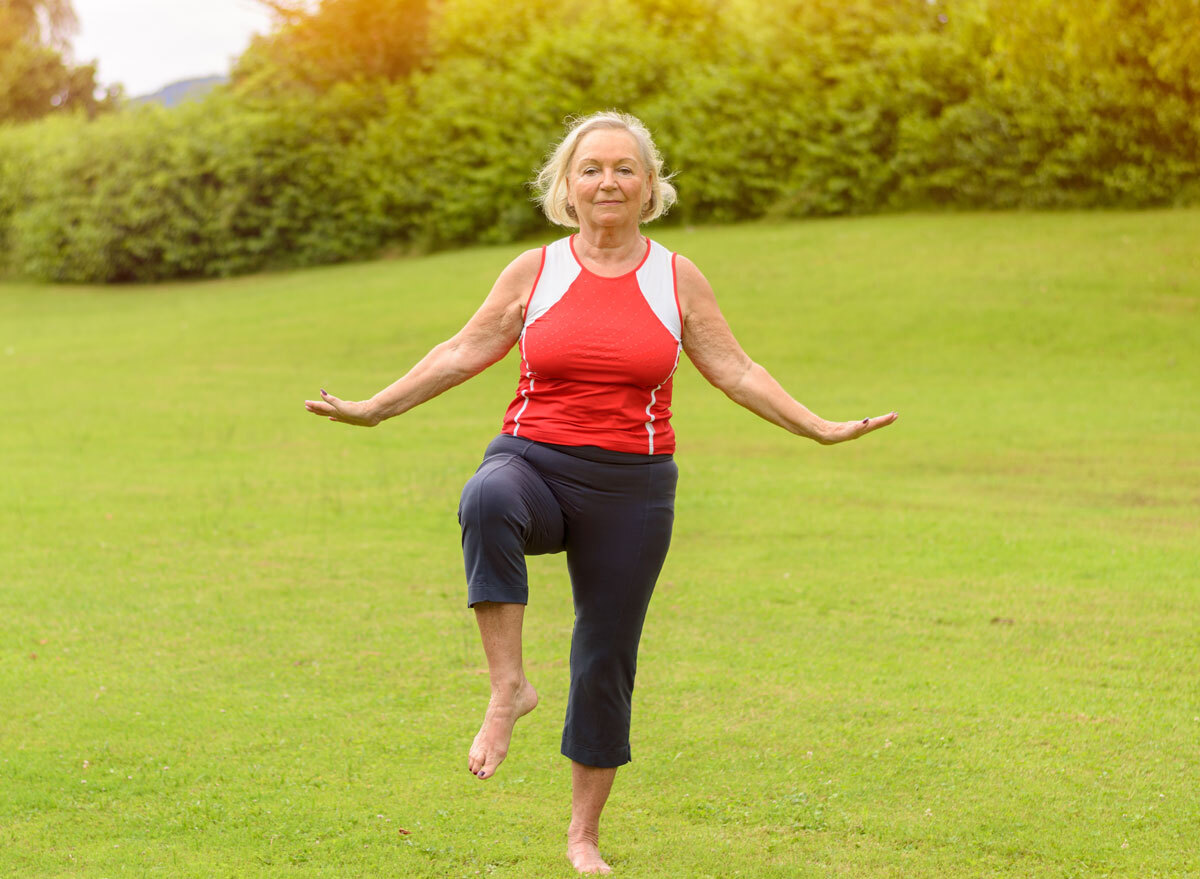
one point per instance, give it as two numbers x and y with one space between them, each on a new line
512 694
506 512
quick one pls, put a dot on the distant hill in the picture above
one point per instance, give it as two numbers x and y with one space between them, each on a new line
184 90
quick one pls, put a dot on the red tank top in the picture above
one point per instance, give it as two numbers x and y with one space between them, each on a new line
598 354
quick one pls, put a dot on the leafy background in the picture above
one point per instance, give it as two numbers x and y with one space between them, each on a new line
410 125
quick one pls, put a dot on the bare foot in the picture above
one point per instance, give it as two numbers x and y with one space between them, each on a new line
491 743
583 851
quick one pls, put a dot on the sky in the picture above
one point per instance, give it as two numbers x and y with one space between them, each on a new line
146 44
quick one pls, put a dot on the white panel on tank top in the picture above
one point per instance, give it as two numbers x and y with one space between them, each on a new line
657 281
558 274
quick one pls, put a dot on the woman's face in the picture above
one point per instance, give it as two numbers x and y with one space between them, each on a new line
608 183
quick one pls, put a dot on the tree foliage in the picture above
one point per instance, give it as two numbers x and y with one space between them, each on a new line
36 78
762 107
214 187
339 41
48 22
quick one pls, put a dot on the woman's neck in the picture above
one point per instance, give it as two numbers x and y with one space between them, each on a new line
610 251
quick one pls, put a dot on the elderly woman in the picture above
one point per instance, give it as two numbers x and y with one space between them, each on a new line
584 460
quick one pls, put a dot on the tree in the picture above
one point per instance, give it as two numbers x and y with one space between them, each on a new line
49 22
315 46
35 77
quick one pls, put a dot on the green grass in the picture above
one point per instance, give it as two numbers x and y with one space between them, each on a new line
233 639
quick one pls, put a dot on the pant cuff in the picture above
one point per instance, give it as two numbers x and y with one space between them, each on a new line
498 594
600 758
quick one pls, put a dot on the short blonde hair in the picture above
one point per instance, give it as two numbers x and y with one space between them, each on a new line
551 181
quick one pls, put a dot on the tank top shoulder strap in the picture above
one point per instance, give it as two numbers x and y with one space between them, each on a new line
559 271
656 278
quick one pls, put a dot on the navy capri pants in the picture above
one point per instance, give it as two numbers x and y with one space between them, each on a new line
612 513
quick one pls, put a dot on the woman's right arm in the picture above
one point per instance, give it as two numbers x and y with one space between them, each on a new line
486 338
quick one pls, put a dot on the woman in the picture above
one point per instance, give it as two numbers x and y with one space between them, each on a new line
584 460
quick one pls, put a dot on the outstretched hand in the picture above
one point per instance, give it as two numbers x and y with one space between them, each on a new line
345 411
841 431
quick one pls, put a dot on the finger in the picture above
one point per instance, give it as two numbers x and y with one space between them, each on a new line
869 424
333 403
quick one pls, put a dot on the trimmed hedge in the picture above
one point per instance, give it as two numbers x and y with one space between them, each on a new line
213 188
763 107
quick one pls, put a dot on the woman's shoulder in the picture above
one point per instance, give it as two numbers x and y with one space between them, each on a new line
518 277
692 288
535 256
527 262
685 270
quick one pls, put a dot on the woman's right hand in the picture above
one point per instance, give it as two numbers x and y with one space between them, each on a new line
345 411
841 431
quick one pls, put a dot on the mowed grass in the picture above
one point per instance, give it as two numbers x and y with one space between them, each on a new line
234 642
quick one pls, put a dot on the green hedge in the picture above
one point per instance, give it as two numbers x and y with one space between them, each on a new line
762 107
218 187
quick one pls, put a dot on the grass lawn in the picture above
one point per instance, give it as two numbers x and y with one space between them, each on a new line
234 642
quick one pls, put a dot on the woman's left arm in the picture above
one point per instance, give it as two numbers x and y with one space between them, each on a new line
710 345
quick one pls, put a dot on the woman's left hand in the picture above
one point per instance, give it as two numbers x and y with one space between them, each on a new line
345 411
841 431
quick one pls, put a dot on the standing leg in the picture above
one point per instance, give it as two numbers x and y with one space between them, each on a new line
589 792
512 694
506 512
616 543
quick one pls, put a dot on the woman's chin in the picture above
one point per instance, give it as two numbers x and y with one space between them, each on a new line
613 219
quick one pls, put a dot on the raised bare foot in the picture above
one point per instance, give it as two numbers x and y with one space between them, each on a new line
491 743
583 851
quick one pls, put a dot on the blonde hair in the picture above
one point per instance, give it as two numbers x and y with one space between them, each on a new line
551 181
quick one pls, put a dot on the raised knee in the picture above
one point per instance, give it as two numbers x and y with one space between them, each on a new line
491 499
